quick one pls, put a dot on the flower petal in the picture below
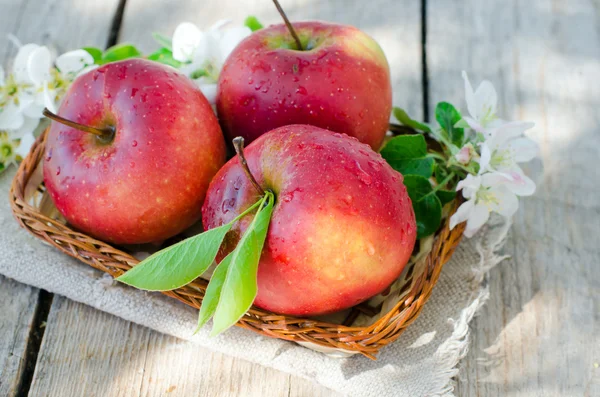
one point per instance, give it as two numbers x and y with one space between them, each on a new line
513 179
506 203
185 40
20 64
470 185
38 66
11 117
231 38
523 149
462 213
28 127
73 62
486 100
469 97
477 218
25 144
484 160
508 131
219 24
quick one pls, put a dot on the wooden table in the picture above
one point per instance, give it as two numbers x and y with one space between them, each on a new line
539 334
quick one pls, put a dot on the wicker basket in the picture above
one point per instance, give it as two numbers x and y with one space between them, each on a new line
36 213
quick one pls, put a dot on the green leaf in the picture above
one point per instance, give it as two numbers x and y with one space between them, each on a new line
445 196
253 23
426 204
96 53
213 292
165 56
407 155
179 264
401 115
440 172
240 287
448 117
120 52
164 41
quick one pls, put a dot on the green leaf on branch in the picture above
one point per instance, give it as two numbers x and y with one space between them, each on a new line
120 52
253 23
96 53
407 154
181 263
213 292
445 196
404 119
164 41
239 288
426 204
165 56
448 116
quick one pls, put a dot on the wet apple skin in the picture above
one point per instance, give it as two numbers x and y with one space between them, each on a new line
343 84
342 228
149 183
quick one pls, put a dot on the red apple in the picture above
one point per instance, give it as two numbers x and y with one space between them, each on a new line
342 228
148 181
340 82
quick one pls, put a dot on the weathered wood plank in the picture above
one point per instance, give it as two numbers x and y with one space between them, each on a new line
17 305
541 323
91 353
42 22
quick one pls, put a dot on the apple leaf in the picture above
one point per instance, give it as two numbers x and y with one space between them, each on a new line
407 154
164 41
96 53
253 23
426 204
240 287
120 52
404 119
213 292
445 196
448 117
181 263
165 56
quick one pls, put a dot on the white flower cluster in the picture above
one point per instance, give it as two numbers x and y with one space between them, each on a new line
203 53
502 145
33 84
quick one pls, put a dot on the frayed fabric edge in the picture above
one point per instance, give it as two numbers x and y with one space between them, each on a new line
455 348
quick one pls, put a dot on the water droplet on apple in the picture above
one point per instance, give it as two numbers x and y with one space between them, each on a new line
107 95
49 155
337 135
301 90
132 164
237 184
133 92
228 205
370 249
250 80
363 176
134 143
58 171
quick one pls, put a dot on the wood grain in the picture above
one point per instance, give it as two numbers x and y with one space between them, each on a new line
539 333
86 352
17 305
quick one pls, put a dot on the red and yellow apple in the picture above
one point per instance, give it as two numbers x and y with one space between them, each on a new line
147 181
339 81
342 228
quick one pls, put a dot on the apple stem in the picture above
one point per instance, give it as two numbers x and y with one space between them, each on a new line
101 132
288 24
238 144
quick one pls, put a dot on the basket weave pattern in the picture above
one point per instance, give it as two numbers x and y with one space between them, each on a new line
28 198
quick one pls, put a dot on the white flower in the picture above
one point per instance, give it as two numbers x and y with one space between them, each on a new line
501 152
25 144
75 63
466 154
204 53
481 104
484 194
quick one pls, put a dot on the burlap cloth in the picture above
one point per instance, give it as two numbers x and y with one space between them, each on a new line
421 363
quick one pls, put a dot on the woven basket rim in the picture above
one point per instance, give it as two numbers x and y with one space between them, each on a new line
109 259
